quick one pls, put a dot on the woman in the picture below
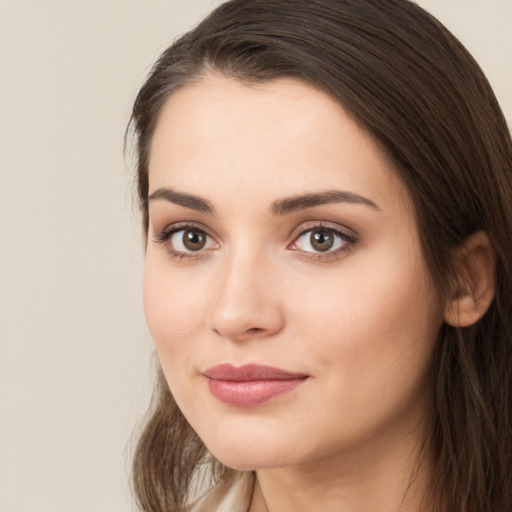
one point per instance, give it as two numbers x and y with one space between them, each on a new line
326 192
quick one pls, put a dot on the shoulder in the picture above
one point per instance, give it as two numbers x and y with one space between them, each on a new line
232 493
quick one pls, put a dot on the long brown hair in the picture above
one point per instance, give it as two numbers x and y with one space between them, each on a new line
423 97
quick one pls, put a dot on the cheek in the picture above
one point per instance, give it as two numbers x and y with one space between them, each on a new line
373 340
173 306
375 323
174 310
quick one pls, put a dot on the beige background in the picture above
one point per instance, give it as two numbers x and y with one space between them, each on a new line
75 354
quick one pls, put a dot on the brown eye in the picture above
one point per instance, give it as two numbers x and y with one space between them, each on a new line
187 240
321 240
194 240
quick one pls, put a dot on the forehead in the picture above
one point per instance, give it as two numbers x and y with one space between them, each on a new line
283 137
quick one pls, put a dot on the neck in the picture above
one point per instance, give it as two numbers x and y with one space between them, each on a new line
369 478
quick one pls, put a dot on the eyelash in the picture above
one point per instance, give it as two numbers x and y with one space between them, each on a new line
349 241
165 235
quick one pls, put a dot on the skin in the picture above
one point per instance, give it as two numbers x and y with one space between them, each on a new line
360 321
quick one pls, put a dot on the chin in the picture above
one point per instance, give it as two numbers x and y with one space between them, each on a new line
250 461
247 451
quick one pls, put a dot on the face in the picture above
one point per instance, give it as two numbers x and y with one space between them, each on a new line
285 289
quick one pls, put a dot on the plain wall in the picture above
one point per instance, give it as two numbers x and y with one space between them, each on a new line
75 361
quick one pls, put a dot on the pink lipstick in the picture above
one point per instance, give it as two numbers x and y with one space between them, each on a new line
250 385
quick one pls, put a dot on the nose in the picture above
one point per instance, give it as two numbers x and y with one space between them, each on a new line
246 305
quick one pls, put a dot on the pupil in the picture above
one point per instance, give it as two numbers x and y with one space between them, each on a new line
194 240
321 240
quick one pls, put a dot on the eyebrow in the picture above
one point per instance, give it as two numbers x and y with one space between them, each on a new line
187 200
303 202
278 208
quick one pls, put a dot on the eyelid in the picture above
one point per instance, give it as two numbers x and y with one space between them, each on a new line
348 235
164 235
323 224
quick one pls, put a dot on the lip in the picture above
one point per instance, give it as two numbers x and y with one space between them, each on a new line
251 384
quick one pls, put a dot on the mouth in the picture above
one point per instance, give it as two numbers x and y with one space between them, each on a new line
250 385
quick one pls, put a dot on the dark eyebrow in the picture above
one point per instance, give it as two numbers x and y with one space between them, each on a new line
292 204
179 198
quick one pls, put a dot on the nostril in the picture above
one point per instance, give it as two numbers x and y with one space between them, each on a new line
240 317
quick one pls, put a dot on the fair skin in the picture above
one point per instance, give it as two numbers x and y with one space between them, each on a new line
334 289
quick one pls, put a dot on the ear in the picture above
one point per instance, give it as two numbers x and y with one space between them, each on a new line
475 263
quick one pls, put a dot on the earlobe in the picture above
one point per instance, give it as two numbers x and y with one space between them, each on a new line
475 263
